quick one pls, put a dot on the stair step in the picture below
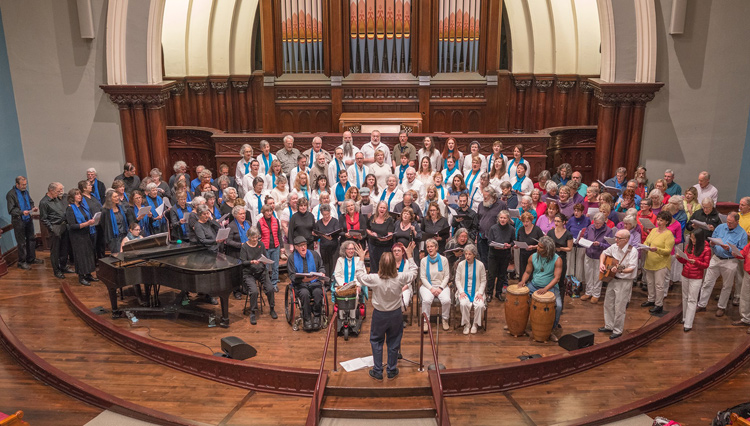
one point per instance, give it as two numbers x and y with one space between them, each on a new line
402 407
363 386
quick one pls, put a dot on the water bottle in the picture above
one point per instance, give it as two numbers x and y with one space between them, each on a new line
131 317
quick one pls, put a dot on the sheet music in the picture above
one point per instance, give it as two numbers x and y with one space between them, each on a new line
584 242
680 253
357 363
521 245
266 260
144 211
366 209
642 247
97 217
592 211
451 199
647 224
497 245
735 251
160 210
223 234
610 240
723 218
699 224
515 213
716 241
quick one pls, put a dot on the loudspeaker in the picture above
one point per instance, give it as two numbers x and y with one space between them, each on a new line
577 340
235 348
85 18
677 20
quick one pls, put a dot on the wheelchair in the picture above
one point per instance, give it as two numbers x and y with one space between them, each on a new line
293 308
351 310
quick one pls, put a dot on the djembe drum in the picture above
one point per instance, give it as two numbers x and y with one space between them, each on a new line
542 315
517 309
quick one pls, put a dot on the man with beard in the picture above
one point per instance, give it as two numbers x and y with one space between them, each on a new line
348 149
52 215
316 150
371 147
487 216
641 181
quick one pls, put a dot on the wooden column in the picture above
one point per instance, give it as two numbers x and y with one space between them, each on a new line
177 104
141 137
269 28
128 133
522 84
541 102
158 132
240 87
618 139
561 107
220 87
201 108
584 105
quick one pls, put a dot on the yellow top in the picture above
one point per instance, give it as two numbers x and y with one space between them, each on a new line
745 222
661 258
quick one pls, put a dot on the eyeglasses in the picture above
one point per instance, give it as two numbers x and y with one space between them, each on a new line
621 238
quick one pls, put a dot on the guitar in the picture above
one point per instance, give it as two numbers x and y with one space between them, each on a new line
609 263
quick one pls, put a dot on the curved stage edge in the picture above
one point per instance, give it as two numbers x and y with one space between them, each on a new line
56 378
301 382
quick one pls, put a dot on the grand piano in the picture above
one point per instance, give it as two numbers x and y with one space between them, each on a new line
185 267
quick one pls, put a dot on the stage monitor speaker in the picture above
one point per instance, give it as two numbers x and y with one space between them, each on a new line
577 340
235 348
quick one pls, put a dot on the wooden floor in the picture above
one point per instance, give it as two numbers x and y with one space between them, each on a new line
35 310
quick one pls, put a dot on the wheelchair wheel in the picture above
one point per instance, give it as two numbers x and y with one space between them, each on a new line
289 304
346 334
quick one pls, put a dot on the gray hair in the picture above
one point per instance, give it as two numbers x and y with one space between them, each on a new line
346 204
431 241
228 190
324 208
670 171
473 249
549 247
198 201
263 143
244 148
209 195
526 198
345 245
565 166
204 173
630 219
550 186
280 179
151 186
91 170
53 186
677 201
155 172
199 210
291 194
502 213
179 165
544 174
600 217
505 184
253 232
288 137
625 232
237 210
708 201
622 170
492 193
655 193
326 193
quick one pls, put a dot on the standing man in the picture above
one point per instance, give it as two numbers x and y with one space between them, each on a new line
317 149
288 155
97 187
412 183
404 147
672 187
705 189
619 289
370 147
486 217
357 171
582 187
337 165
348 148
52 215
387 324
465 217
20 207
129 178
723 262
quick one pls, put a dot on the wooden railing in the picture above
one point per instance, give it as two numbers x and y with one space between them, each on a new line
313 417
436 383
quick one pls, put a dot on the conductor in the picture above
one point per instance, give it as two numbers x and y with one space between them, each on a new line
387 321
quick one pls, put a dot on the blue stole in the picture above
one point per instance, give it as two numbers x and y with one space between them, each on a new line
266 162
181 214
449 173
401 171
348 277
189 197
382 197
313 154
473 280
341 191
125 194
156 223
338 168
85 206
470 183
273 180
401 265
82 217
242 227
513 161
24 202
247 167
519 183
471 202
195 182
113 219
217 212
145 229
309 259
364 173
260 201
304 190
439 261
95 190
442 191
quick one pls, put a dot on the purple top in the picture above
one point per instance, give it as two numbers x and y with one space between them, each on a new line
545 223
593 234
567 207
575 225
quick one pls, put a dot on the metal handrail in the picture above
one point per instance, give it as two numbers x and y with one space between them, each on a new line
333 323
425 319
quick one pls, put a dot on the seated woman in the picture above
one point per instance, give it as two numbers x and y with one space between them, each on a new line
471 280
134 233
348 264
434 275
253 271
454 247
543 273
307 287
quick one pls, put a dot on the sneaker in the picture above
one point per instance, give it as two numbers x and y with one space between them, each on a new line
474 329
24 266
276 289
467 328
425 328
273 314
60 275
647 304
553 338
376 376
41 262
393 374
445 325
253 320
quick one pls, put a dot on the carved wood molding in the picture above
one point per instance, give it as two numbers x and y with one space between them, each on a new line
153 96
302 93
381 93
611 94
457 92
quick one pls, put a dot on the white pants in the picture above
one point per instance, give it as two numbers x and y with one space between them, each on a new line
691 287
406 298
739 277
445 301
615 302
718 266
655 280
675 269
593 284
466 305
745 300
576 265
517 262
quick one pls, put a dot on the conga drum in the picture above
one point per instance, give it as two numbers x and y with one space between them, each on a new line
542 315
517 309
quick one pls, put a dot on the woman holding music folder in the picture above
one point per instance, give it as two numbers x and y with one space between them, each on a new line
698 253
380 231
658 259
134 213
237 232
353 224
254 271
327 230
82 237
528 234
500 238
436 226
407 229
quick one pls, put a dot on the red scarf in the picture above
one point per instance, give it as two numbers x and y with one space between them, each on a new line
352 223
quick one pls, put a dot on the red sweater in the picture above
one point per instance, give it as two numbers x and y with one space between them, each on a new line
695 270
746 257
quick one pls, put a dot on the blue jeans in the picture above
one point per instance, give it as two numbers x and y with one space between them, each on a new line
558 300
273 254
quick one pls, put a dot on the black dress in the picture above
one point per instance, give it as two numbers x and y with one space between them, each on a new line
561 242
378 247
113 235
359 219
329 250
81 242
233 244
96 207
301 224
205 235
441 228
499 258
531 239
407 236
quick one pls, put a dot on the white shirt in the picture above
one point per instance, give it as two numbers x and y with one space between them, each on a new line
355 264
468 160
495 182
263 169
709 192
526 186
293 174
268 182
629 261
318 215
418 186
352 175
439 278
491 160
513 164
247 181
472 180
333 175
381 173
449 180
239 171
280 198
476 197
348 158
252 205
369 149
436 159
398 196
465 281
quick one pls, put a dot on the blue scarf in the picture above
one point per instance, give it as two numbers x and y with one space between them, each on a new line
401 265
513 161
24 202
449 173
266 162
438 260
519 183
401 171
473 280
442 191
189 197
313 155
85 206
113 220
95 190
145 231
157 223
273 180
217 212
299 267
364 173
471 203
382 197
242 227
341 191
490 163
247 167
82 216
181 214
470 183
338 168
125 194
260 201
304 191
348 277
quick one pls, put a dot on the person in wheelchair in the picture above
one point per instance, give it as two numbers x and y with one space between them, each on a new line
304 261
347 266
254 272
471 280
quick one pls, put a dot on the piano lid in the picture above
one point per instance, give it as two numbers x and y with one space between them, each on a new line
200 261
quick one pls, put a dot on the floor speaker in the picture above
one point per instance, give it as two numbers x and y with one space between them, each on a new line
577 340
235 348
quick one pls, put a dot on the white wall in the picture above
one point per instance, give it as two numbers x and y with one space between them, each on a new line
698 121
67 123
